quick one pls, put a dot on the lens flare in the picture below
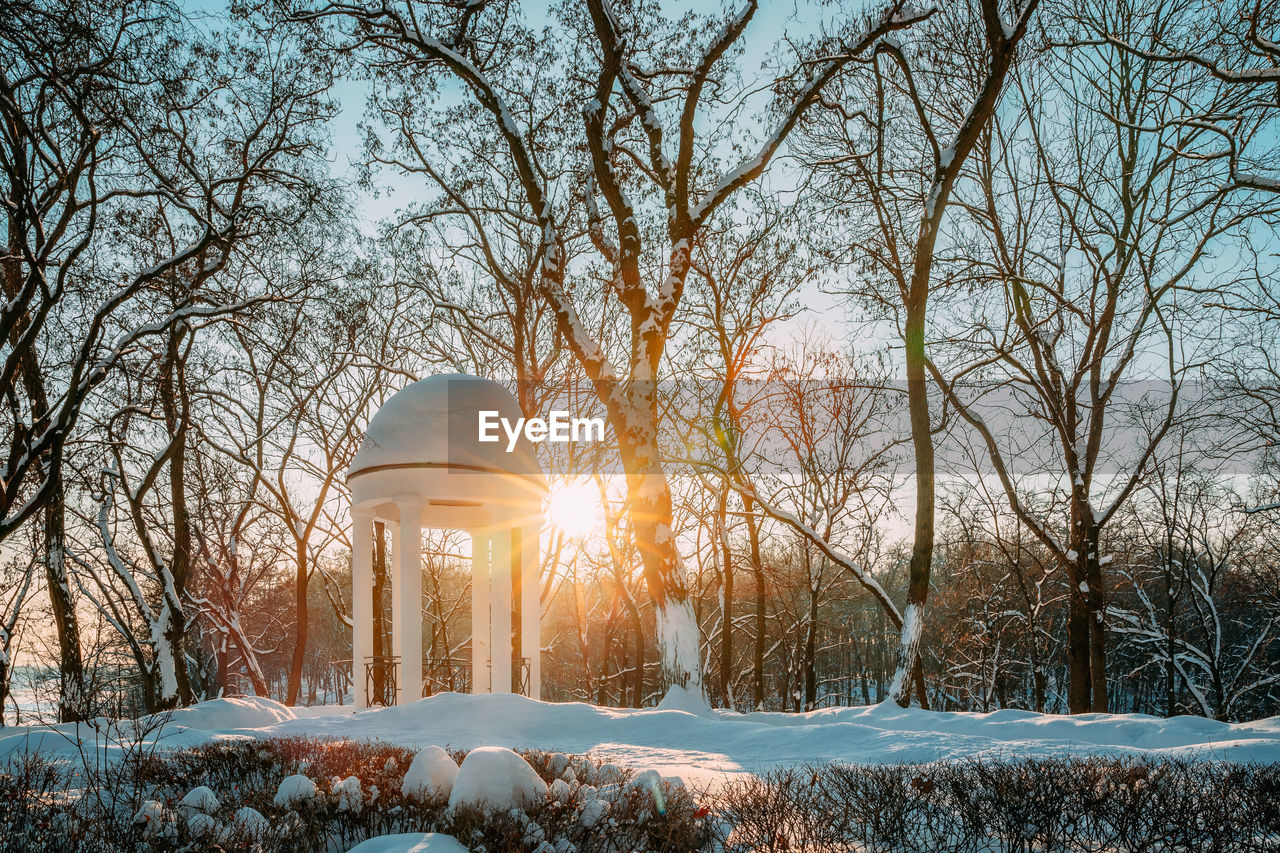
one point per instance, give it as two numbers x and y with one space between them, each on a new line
574 508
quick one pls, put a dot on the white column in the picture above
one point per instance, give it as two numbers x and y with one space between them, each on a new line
397 586
501 609
361 600
407 633
531 608
480 544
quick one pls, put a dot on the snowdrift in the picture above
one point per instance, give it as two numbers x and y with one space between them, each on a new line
693 745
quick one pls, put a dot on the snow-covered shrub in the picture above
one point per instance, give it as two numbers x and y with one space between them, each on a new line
493 777
1098 803
348 793
566 816
154 821
591 806
237 783
200 799
559 791
27 784
609 774
294 790
252 822
430 776
654 815
203 826
224 794
1113 804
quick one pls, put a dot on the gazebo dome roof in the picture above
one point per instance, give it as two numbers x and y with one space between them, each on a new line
434 423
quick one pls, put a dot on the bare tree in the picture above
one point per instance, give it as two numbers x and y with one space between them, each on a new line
99 128
833 470
240 548
641 101
1088 251
1001 594
1230 43
895 143
297 415
744 284
1207 558
155 495
15 584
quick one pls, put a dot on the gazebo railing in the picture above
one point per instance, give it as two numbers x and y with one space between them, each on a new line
524 677
446 675
388 666
442 675
454 674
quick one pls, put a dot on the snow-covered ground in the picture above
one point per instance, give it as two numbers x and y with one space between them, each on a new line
699 746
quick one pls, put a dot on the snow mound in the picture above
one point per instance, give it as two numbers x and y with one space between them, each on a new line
701 748
251 712
592 806
201 799
152 819
201 825
646 779
251 821
497 778
295 789
430 775
410 842
609 774
347 791
658 787
560 791
653 780
683 699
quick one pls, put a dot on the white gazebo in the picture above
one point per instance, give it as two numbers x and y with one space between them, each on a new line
422 465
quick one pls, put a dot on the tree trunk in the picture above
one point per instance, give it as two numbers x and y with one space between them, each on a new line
73 703
72 698
907 670
921 689
1097 623
1080 682
649 497
810 664
4 677
725 685
300 616
173 393
761 639
606 642
518 650
584 641
224 663
637 684
1171 645
1037 674
637 627
1086 638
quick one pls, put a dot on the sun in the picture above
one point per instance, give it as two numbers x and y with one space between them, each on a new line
573 507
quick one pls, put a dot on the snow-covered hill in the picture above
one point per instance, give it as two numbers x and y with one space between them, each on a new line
696 745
